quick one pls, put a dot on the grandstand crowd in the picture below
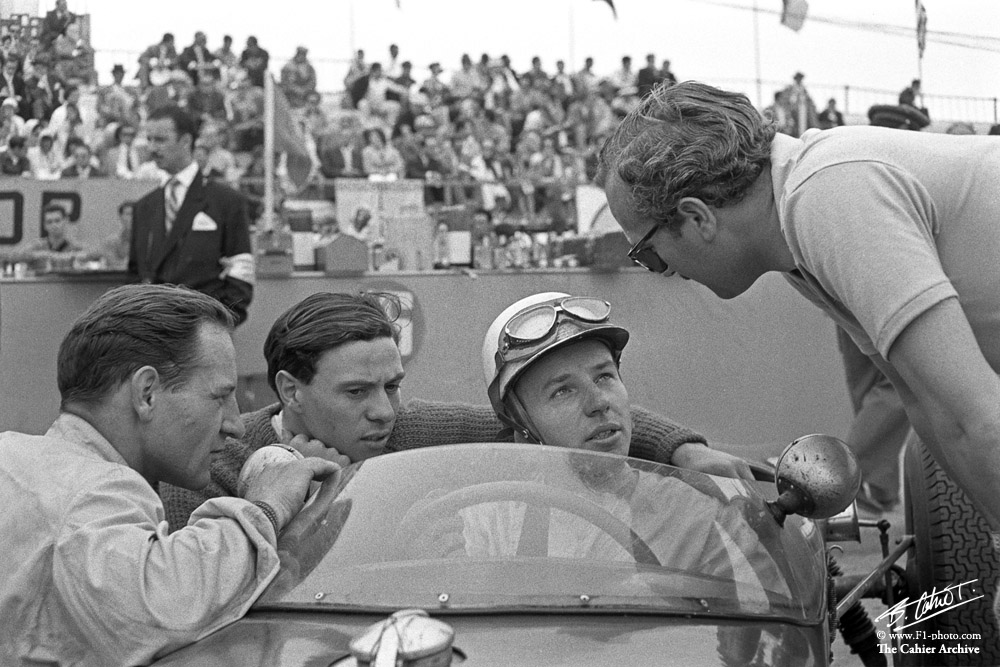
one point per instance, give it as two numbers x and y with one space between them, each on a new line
480 132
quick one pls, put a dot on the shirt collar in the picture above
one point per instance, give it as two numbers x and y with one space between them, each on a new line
186 175
78 430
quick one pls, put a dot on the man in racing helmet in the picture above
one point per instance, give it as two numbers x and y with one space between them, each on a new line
543 330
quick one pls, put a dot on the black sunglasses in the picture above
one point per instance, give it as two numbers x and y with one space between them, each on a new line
643 254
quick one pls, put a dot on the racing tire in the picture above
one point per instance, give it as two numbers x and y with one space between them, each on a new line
952 546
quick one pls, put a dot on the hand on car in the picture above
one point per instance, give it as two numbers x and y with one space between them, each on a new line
284 485
443 536
313 447
696 456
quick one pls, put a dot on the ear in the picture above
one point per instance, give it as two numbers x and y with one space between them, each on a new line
144 386
288 390
700 215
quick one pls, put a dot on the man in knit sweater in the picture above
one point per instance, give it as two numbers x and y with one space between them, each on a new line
334 363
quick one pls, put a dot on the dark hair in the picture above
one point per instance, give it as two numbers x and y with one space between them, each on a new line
51 207
374 130
121 128
130 327
16 142
184 123
323 321
167 37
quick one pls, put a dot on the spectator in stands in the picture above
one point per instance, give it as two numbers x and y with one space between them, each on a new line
14 161
562 84
123 159
830 116
55 239
375 101
72 99
434 88
405 78
779 114
115 248
116 103
535 77
196 58
357 69
246 114
624 79
666 75
380 158
12 87
649 76
585 81
589 116
44 90
315 117
46 161
11 125
207 100
226 59
81 166
73 57
393 68
254 60
218 161
71 129
466 82
298 78
801 106
55 23
156 62
340 155
908 96
498 170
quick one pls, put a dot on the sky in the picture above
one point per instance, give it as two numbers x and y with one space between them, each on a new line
710 40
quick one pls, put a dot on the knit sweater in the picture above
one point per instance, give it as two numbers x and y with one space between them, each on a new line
419 424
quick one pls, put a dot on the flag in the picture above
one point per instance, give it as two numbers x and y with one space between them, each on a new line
921 27
793 13
288 138
611 4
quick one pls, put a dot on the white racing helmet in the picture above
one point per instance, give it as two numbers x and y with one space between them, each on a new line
531 328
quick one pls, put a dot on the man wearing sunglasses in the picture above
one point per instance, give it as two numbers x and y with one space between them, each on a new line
334 363
893 234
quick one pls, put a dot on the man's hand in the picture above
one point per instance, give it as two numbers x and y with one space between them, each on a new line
283 485
315 448
696 456
443 537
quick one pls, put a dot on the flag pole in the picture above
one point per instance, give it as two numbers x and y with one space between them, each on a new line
268 221
756 51
572 39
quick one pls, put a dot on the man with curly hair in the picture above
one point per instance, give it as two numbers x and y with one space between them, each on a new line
893 234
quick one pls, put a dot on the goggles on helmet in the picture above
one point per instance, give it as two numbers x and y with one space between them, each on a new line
538 322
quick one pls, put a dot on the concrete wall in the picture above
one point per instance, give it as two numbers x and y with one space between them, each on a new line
759 370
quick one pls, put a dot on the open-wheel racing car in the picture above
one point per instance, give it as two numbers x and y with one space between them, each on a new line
514 554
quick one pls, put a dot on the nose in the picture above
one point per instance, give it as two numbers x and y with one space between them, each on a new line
381 407
232 425
596 401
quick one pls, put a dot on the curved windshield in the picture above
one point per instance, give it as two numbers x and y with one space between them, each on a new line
528 527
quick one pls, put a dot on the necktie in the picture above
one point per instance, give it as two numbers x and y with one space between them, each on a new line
172 203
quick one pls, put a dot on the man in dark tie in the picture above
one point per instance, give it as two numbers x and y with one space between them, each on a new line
190 231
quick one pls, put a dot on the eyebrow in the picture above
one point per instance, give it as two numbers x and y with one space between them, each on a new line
562 377
360 382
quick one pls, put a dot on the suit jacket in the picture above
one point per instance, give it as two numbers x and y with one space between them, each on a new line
192 256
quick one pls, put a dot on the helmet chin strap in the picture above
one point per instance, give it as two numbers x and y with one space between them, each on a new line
519 418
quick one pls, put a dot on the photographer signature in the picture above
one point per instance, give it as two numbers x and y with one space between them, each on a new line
929 605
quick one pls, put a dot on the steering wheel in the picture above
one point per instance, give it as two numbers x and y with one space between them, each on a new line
419 518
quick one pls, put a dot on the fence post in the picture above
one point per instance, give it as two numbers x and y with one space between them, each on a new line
847 100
